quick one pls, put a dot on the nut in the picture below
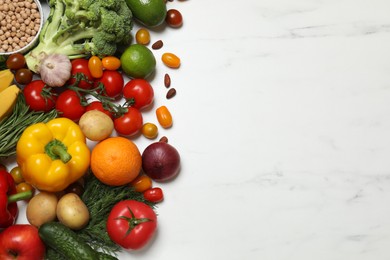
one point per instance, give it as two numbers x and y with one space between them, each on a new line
167 80
171 93
157 45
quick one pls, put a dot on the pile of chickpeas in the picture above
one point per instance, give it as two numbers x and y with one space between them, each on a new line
19 24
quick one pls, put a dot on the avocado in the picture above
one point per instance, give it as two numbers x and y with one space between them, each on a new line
149 12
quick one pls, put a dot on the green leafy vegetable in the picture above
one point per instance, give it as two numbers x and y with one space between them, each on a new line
100 198
80 28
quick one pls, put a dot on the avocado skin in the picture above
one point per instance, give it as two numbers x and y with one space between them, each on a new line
149 12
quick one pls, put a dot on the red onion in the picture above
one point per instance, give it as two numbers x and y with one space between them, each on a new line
161 161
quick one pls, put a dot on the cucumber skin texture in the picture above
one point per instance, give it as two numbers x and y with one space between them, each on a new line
66 242
149 12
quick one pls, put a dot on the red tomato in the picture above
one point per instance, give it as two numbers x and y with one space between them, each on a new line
97 105
113 83
154 194
131 224
129 123
39 97
81 66
140 91
69 105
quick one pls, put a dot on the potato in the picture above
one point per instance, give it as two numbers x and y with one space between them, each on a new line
72 212
96 125
41 208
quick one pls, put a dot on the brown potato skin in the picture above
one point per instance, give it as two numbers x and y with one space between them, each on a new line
42 208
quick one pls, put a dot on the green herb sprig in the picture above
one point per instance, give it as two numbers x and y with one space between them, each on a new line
12 127
100 198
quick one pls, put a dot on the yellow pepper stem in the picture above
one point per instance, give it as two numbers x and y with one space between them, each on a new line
57 150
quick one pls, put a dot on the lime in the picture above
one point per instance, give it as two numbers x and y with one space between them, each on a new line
138 61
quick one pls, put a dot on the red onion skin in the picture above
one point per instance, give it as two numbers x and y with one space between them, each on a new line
161 161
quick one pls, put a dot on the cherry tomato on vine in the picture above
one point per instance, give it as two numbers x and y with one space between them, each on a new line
69 105
113 83
81 66
111 63
24 186
129 123
15 61
95 66
141 183
17 175
131 224
140 91
174 18
97 105
39 96
154 194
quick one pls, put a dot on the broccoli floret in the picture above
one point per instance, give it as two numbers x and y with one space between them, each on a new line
80 28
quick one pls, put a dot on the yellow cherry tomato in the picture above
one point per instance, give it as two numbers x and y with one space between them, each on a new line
24 186
111 63
170 60
95 66
141 183
149 130
164 117
17 175
142 36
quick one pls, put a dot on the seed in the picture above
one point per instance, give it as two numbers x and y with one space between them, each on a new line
157 45
167 80
163 139
171 93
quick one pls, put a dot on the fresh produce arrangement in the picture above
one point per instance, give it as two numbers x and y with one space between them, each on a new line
71 112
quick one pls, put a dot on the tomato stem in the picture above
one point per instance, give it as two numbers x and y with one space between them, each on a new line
133 221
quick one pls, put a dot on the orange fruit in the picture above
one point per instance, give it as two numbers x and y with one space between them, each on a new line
116 161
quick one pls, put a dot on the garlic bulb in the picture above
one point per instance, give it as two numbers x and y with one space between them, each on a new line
55 70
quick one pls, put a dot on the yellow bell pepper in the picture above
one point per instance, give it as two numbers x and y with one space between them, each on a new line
53 155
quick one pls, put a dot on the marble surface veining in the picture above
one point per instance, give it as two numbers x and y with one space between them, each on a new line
282 118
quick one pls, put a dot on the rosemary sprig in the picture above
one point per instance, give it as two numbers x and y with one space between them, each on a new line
12 127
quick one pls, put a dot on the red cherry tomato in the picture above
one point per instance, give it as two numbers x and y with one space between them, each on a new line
69 105
140 91
113 83
129 123
174 18
81 66
39 97
97 105
131 224
154 194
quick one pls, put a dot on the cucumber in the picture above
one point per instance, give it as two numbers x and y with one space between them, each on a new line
67 243
149 12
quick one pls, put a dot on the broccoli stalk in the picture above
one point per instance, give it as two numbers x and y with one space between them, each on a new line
81 28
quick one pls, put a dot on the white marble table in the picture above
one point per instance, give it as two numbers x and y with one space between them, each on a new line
282 118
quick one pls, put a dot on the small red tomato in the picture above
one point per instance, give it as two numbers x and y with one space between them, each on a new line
23 76
129 123
97 105
131 224
140 91
154 194
39 97
15 61
69 105
113 83
81 66
174 18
